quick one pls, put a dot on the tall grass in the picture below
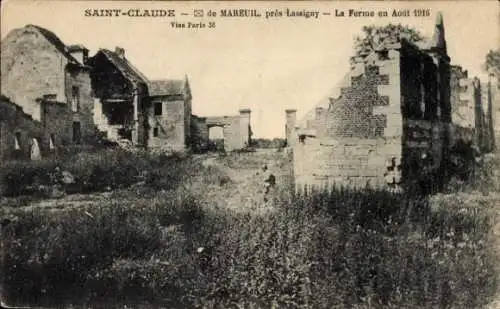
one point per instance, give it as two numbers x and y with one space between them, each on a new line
328 249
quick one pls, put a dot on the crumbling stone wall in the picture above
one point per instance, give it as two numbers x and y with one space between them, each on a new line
245 130
464 112
199 134
390 122
427 114
353 141
17 129
236 129
51 132
290 126
351 115
116 92
486 102
495 102
473 111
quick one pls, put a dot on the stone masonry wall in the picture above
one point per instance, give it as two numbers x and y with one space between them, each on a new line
495 93
170 126
14 123
473 111
199 133
463 111
390 122
290 126
426 113
351 162
357 138
51 132
352 114
487 99
34 71
57 122
236 129
81 79
31 67
245 129
231 130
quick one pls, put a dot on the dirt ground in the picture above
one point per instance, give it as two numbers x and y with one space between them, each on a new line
245 188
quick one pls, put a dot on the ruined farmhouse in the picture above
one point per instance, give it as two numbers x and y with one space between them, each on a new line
55 95
401 109
43 86
129 106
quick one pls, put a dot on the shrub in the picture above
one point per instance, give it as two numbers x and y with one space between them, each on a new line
268 143
25 177
95 170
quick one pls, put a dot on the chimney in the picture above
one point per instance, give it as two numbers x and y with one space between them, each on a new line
245 129
291 120
120 52
319 112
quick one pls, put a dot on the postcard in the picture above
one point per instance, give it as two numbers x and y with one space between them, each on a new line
250 154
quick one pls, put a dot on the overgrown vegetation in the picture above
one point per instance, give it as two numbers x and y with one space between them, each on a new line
373 36
268 143
327 249
492 62
93 170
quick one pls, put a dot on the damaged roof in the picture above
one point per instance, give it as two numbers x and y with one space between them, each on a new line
166 87
76 47
125 67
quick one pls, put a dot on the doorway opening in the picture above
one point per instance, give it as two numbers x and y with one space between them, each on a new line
216 139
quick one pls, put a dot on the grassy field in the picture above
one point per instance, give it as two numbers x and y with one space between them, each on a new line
131 233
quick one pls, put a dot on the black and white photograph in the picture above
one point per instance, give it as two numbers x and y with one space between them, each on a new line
250 154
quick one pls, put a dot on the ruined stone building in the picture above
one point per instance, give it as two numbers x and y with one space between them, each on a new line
392 120
72 97
151 114
22 137
473 112
49 83
156 114
119 92
236 129
170 114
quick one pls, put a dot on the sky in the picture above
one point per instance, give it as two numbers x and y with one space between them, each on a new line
267 65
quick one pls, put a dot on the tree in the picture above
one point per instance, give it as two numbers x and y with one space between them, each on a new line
374 36
492 62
